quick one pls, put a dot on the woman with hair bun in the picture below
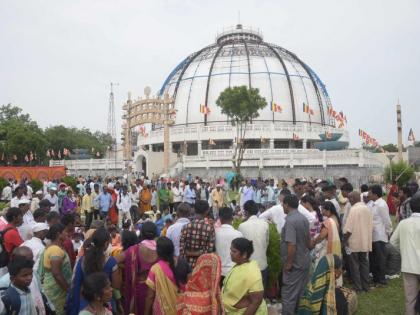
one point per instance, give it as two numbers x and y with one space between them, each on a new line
243 290
137 260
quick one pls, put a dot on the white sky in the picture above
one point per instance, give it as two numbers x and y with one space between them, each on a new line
58 57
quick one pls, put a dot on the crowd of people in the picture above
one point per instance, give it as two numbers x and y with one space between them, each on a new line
190 246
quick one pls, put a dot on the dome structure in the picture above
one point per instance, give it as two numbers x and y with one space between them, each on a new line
241 57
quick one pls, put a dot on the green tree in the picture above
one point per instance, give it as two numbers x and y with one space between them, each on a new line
241 104
401 171
19 136
390 147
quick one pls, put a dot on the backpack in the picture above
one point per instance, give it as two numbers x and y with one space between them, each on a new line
4 255
11 300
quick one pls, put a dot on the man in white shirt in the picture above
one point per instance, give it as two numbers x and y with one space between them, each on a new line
382 228
346 189
276 213
358 238
25 230
53 198
36 243
6 194
14 203
225 234
177 194
329 194
256 230
174 231
406 240
123 205
35 200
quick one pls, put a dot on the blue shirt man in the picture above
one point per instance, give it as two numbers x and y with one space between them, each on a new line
105 202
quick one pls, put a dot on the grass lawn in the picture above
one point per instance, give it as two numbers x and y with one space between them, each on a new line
384 301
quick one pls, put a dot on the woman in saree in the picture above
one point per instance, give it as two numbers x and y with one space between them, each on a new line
145 199
55 269
113 211
321 296
95 259
202 293
243 290
162 282
328 240
138 260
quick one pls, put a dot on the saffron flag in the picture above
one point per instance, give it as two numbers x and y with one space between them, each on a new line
204 109
411 136
276 108
306 108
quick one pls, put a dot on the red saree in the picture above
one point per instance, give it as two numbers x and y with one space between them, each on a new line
202 292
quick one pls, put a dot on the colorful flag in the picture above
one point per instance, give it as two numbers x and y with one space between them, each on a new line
306 108
31 156
311 112
14 157
26 158
411 136
276 108
204 109
295 137
59 154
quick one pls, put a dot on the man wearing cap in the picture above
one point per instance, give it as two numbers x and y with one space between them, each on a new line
52 198
25 229
35 200
36 243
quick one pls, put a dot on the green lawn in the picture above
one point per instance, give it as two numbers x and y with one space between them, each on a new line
384 301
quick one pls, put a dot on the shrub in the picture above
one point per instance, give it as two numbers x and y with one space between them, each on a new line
70 181
402 172
3 183
36 185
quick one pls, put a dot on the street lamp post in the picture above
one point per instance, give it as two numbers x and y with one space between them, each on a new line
390 156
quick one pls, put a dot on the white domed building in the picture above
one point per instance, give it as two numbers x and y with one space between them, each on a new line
284 137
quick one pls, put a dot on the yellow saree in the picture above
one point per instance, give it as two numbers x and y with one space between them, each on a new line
242 280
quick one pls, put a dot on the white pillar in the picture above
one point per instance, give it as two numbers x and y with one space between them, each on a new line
271 144
199 147
304 144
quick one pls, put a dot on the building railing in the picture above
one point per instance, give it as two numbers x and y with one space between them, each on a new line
90 164
257 130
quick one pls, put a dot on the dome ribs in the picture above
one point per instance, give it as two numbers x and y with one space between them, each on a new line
249 64
209 77
308 71
292 99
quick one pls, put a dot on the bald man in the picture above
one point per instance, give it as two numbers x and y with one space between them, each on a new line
35 286
358 241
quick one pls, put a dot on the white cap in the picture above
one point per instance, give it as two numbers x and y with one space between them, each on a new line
37 227
24 202
39 192
110 186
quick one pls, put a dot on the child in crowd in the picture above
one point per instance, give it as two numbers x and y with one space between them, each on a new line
168 223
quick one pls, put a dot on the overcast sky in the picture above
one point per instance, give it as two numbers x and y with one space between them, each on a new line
58 57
